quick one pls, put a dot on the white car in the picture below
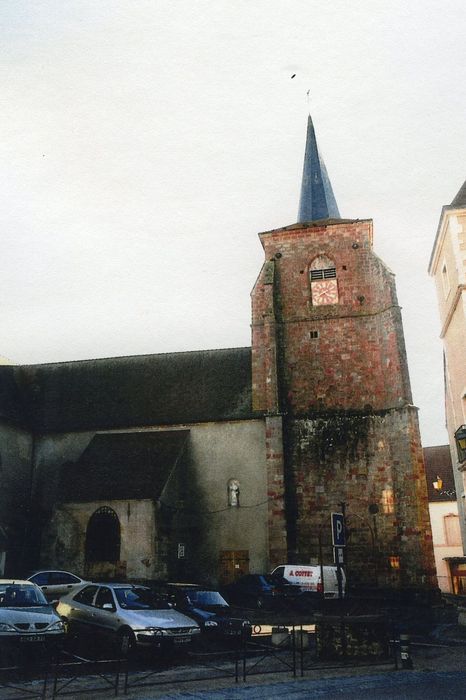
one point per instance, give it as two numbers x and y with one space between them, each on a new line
56 583
26 617
131 615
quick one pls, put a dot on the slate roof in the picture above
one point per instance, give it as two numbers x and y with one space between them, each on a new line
438 464
317 200
141 390
458 202
11 407
460 199
122 466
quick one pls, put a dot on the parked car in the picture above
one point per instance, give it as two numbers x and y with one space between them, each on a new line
132 616
210 610
260 590
26 617
56 583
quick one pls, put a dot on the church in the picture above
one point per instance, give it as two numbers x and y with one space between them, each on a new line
206 465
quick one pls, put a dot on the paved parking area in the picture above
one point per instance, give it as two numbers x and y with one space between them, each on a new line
438 665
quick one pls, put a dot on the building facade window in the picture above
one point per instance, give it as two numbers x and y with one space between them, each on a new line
451 524
388 501
445 280
323 280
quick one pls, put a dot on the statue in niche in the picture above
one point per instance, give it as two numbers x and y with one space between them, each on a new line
233 493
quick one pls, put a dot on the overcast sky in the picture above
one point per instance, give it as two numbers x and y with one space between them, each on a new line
144 144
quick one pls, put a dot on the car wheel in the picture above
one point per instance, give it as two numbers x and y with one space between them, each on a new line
126 642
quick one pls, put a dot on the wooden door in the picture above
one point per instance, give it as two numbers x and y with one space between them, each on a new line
233 563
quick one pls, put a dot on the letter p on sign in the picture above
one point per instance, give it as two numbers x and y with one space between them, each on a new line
338 530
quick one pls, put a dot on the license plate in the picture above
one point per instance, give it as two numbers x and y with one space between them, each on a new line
32 638
182 640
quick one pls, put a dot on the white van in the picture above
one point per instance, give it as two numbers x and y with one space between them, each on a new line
308 578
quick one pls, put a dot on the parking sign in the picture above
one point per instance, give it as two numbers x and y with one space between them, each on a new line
338 530
339 556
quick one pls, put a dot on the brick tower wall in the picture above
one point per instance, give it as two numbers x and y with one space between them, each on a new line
337 374
373 464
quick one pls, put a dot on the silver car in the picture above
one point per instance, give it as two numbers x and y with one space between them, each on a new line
131 615
56 583
26 617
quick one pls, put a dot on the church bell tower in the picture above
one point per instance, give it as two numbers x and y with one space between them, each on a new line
329 367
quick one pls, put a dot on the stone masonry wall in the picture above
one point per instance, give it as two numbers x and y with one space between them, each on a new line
277 541
369 462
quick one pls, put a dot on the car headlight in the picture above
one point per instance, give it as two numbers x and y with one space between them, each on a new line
153 630
6 628
210 623
58 625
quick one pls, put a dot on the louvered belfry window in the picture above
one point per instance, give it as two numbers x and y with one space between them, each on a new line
326 274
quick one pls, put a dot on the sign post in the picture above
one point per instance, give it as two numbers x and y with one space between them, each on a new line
339 542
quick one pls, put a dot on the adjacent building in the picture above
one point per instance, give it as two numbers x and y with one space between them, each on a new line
448 268
443 509
206 465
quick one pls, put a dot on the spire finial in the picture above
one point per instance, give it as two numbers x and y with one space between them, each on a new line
317 199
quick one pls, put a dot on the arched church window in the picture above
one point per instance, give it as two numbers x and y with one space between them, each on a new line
233 493
103 536
324 285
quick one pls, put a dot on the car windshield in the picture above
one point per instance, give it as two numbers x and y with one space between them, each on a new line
16 595
197 597
133 598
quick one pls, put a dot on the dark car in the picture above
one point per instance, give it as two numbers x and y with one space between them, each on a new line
260 590
210 610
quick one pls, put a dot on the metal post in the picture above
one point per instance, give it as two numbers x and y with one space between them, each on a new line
342 505
302 652
321 562
339 580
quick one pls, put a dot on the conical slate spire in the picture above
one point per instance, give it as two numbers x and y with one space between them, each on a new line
460 199
317 199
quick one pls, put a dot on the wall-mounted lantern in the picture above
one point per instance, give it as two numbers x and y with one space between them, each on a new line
438 484
460 437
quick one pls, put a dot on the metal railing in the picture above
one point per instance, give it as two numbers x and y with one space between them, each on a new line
17 683
75 675
288 649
